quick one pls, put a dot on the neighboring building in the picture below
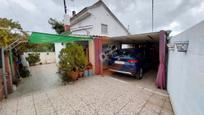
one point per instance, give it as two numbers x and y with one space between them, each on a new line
95 20
185 73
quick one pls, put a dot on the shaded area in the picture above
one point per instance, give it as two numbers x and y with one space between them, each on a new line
42 77
148 81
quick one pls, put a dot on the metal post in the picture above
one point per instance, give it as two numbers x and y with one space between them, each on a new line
4 73
65 7
11 64
152 15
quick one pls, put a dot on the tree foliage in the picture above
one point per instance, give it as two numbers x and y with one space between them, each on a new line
56 25
11 30
7 31
33 58
26 47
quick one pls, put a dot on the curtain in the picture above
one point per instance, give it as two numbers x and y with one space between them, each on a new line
161 75
98 51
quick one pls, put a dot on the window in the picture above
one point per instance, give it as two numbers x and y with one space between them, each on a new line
104 29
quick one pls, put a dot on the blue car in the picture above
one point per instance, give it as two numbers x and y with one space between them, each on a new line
127 61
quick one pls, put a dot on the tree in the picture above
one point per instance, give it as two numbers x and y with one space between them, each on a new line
56 25
7 31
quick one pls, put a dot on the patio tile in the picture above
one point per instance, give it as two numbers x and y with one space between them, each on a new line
152 107
1 105
89 96
157 100
67 111
131 108
148 112
166 112
44 107
143 95
26 111
39 96
25 101
167 106
9 107
86 110
26 106
8 112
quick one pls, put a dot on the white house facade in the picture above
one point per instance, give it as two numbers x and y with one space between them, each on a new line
95 20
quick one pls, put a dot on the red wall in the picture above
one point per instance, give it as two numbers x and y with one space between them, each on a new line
98 51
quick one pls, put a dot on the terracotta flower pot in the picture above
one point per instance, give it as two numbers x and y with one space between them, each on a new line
73 75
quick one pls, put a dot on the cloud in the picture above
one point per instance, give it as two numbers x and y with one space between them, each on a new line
27 5
176 15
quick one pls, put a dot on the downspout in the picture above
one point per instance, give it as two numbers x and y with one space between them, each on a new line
4 73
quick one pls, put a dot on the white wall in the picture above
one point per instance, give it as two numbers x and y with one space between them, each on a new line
186 73
100 16
58 47
45 57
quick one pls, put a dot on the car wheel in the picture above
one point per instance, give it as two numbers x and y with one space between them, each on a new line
139 74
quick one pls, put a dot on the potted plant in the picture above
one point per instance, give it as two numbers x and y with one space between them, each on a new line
88 70
72 60
80 71
33 58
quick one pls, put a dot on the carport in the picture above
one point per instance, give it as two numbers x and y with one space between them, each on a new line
155 42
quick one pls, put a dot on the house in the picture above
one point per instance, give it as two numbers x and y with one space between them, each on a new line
96 19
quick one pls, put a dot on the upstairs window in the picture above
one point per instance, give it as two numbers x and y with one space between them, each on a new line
104 29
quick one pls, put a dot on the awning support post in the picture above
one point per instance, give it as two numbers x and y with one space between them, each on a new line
4 73
11 64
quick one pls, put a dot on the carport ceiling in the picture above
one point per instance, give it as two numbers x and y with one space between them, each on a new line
137 38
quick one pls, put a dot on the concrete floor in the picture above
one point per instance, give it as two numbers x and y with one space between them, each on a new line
148 81
88 96
42 77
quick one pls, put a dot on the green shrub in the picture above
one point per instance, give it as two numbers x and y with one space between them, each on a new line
24 72
33 58
72 57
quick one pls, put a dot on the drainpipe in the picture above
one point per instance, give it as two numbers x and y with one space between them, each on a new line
4 73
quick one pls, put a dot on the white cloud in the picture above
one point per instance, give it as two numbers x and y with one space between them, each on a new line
173 25
26 4
175 15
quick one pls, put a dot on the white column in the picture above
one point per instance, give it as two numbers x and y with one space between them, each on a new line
92 54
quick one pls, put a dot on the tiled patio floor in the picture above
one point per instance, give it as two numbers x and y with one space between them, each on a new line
90 96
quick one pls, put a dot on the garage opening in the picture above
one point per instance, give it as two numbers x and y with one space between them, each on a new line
136 58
